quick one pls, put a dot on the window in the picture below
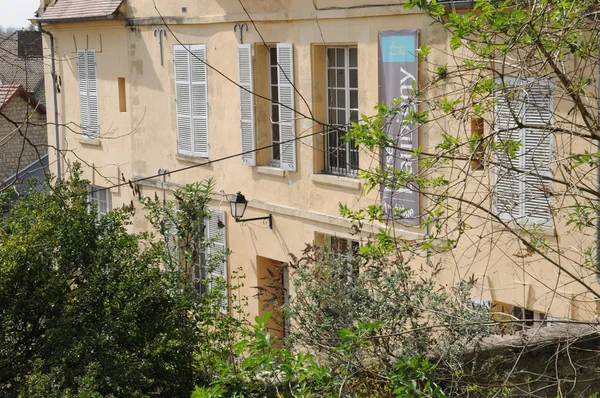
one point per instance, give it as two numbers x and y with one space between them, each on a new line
524 111
88 93
336 244
272 293
341 245
516 318
342 109
274 93
100 198
192 99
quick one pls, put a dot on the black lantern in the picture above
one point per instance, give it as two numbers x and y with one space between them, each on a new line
238 206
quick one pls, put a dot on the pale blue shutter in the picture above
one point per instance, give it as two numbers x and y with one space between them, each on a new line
83 92
508 190
285 80
92 82
88 94
246 78
537 155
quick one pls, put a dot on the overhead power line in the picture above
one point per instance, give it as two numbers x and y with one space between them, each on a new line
326 131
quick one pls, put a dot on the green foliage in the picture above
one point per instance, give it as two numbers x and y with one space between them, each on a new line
264 367
91 310
411 377
85 308
361 312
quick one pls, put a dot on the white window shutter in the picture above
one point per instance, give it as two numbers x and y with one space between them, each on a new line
92 82
219 244
181 62
199 92
83 92
246 78
508 188
537 151
285 80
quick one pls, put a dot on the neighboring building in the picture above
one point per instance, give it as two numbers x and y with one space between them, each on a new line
22 99
21 62
137 98
23 137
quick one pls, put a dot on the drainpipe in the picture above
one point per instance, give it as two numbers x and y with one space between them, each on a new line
56 132
164 173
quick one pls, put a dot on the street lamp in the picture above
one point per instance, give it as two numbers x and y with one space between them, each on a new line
238 206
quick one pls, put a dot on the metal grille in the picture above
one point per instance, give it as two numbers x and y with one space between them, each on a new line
342 109
274 87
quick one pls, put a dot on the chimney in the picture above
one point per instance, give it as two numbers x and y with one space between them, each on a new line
43 5
29 44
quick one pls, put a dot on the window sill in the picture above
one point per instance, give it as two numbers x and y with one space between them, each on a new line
541 229
270 171
191 159
337 181
90 141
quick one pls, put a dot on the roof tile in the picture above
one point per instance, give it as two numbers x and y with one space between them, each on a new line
15 70
79 9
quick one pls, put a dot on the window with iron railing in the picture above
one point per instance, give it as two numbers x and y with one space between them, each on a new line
341 155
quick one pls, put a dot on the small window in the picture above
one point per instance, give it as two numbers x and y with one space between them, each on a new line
101 198
516 318
122 96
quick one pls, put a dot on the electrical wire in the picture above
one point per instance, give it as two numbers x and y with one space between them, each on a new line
326 131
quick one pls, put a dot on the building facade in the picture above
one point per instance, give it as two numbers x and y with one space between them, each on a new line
160 94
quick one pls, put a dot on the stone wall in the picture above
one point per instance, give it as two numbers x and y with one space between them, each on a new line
15 151
562 360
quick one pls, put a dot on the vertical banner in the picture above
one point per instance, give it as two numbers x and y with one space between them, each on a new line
398 78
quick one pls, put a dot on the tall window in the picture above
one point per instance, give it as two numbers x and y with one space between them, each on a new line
524 114
342 109
274 87
100 198
88 93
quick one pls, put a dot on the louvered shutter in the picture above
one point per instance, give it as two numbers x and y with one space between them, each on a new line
181 61
92 85
246 78
537 151
199 99
285 80
88 93
219 245
508 188
83 92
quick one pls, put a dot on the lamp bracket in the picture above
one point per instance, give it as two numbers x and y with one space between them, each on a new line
269 217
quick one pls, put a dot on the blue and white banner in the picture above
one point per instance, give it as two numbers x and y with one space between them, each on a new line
398 79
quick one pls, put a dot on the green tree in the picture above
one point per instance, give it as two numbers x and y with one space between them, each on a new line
512 92
86 308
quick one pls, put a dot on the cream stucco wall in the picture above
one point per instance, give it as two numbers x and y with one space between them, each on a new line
139 142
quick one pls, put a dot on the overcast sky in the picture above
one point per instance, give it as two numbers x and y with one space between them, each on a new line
14 13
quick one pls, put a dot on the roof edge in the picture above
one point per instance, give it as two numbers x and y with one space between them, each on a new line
28 98
75 19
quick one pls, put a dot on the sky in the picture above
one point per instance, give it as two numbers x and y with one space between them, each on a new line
14 13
